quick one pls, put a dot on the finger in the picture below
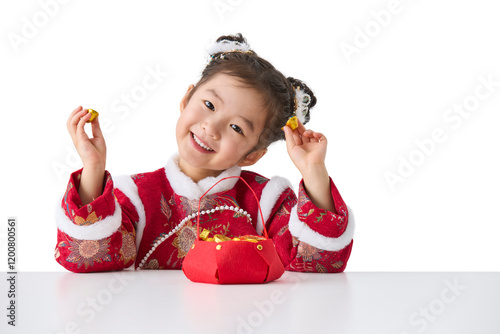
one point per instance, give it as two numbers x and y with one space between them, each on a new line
301 127
297 137
320 137
80 131
96 129
297 133
307 136
73 123
73 113
314 136
289 138
71 117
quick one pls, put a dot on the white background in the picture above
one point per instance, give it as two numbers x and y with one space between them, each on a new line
373 106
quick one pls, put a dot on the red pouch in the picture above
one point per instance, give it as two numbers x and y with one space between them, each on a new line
233 261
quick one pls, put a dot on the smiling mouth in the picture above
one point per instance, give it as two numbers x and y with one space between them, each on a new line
201 144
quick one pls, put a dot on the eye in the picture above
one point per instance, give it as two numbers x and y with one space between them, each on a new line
209 105
237 128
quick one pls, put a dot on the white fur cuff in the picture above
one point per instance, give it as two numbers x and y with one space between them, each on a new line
99 230
127 186
304 233
270 194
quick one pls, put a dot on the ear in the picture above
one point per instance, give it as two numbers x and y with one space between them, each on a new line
185 99
252 158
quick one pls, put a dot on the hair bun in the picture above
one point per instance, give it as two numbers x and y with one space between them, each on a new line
232 38
229 43
303 99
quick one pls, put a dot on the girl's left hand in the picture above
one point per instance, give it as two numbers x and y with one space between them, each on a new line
306 148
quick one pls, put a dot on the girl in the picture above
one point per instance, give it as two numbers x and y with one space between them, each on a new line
227 121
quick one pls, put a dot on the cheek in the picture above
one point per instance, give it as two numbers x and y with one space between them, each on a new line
184 121
180 128
237 146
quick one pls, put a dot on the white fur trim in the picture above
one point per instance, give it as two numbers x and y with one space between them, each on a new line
270 194
304 233
227 46
99 230
302 108
184 186
127 186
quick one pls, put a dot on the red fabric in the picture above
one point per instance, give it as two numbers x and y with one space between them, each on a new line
236 262
203 268
325 223
164 210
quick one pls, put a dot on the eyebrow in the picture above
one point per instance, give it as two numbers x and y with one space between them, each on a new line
246 120
214 93
249 123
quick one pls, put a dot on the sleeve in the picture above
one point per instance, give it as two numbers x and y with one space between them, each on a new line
99 236
307 238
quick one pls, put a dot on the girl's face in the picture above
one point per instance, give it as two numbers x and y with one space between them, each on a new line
218 127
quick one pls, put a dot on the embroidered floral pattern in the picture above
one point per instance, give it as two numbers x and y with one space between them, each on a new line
208 202
220 229
283 230
308 252
91 219
153 264
320 217
127 252
190 206
86 252
312 259
302 200
185 239
337 264
321 268
165 208
282 212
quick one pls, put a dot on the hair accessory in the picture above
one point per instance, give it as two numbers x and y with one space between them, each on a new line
221 48
301 105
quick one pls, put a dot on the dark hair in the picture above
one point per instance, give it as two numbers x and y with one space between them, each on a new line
255 72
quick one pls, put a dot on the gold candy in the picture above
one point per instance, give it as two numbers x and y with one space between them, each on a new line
292 123
221 238
252 238
204 234
94 115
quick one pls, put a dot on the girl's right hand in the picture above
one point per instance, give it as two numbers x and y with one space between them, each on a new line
92 151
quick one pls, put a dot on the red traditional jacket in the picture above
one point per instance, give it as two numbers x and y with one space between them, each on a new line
149 220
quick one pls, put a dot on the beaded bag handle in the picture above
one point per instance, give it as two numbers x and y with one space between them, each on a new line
253 192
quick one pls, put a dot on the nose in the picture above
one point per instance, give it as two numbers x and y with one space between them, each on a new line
211 129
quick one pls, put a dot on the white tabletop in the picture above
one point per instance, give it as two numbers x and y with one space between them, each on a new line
165 301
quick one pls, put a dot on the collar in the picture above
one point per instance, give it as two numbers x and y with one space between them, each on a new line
183 185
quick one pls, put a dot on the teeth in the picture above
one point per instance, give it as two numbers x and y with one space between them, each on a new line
201 144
